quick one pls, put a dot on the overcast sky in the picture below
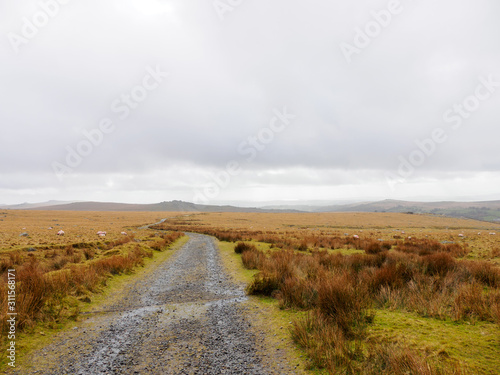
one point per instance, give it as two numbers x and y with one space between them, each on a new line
216 101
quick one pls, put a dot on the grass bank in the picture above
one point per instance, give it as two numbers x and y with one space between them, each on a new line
69 294
270 324
413 309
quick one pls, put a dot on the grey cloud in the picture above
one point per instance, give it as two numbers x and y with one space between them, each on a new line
225 80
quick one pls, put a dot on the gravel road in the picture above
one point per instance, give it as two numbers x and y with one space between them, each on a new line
184 317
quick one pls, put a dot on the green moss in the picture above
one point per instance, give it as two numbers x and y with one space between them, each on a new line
477 346
346 251
233 262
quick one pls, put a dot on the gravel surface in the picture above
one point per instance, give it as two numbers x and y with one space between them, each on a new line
185 317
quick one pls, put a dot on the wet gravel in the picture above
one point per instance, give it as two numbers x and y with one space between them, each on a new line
185 317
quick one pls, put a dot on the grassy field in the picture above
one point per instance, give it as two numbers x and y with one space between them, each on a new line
482 239
58 276
78 226
357 292
373 293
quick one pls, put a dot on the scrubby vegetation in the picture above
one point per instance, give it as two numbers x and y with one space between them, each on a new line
306 240
341 282
347 278
54 279
343 292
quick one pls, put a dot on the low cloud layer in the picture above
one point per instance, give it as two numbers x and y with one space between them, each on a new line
146 100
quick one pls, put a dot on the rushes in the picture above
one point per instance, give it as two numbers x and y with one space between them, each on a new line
241 247
48 285
166 240
340 294
432 285
306 240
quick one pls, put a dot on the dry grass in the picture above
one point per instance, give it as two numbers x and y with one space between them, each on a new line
80 227
54 272
341 269
390 222
344 268
341 293
336 231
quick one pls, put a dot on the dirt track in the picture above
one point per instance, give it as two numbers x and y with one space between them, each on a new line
185 317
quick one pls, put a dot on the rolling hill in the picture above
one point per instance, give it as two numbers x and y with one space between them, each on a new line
486 211
173 206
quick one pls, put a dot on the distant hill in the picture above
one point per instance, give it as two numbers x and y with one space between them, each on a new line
30 206
173 206
485 211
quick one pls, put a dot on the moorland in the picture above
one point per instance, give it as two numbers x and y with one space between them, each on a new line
367 293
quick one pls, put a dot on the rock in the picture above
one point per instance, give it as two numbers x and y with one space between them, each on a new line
24 234
31 249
